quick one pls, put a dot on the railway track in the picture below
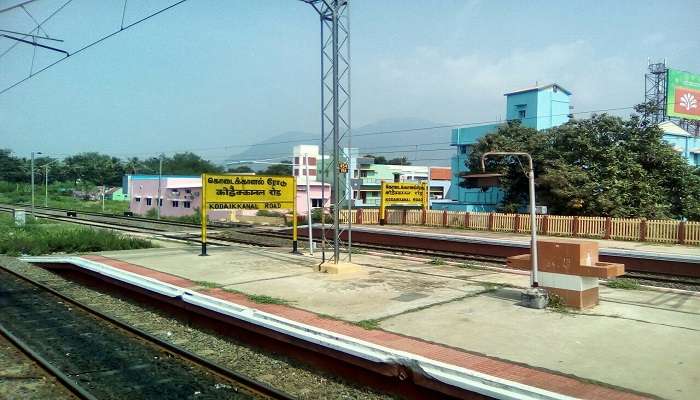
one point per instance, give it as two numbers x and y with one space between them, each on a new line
98 357
245 234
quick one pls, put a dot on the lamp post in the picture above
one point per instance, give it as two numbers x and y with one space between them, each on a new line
308 204
533 219
33 153
46 182
160 179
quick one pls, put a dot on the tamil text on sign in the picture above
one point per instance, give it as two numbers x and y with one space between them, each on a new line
251 192
403 193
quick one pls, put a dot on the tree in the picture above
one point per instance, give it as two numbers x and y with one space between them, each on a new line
181 164
241 169
377 159
95 168
12 169
399 161
601 166
283 168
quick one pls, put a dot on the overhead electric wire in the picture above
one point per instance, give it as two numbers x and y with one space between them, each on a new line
89 45
56 11
387 132
22 4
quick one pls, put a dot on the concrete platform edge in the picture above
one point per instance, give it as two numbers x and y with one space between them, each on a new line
463 378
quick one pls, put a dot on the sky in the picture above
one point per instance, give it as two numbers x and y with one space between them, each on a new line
207 75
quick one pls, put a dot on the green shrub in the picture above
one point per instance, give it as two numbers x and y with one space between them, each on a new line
37 238
623 283
268 213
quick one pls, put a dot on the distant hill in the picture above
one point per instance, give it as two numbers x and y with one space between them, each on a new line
420 146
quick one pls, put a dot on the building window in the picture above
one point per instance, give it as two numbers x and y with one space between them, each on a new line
296 160
176 204
312 172
188 191
316 202
311 160
521 114
137 199
160 202
148 201
296 172
186 204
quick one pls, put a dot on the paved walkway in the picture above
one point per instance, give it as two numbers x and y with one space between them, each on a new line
525 237
642 341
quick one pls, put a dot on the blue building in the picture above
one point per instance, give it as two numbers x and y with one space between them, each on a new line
538 107
684 143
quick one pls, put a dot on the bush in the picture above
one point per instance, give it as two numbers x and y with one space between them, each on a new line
152 213
268 213
37 238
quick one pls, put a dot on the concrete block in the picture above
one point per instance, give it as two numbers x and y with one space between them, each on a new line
575 298
340 268
568 282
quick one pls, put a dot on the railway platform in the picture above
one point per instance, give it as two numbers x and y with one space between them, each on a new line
635 344
625 245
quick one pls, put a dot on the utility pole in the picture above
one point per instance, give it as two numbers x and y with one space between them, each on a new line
160 178
335 113
33 153
308 204
46 185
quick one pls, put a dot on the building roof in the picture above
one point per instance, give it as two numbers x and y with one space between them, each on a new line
440 173
149 177
183 183
539 87
670 128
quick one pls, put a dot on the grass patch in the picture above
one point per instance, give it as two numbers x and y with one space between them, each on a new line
556 303
207 284
623 283
356 250
38 238
260 298
369 324
66 202
437 261
263 299
468 265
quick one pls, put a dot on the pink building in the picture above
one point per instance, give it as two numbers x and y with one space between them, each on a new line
181 196
315 194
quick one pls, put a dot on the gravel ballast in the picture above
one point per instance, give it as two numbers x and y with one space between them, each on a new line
280 372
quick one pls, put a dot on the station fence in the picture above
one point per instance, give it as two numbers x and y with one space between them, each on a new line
635 229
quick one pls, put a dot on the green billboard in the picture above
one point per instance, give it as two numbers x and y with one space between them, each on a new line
683 94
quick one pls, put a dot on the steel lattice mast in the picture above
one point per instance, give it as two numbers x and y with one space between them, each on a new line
335 116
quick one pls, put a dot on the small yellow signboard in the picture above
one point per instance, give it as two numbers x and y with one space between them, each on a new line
402 194
248 192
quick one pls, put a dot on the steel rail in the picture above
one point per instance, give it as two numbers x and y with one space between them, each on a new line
221 239
64 379
259 388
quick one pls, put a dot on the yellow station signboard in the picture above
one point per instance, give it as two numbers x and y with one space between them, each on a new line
248 192
232 192
402 194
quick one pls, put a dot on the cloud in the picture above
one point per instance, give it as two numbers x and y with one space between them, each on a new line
469 87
